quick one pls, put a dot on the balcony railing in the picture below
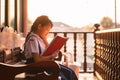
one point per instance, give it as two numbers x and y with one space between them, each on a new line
107 57
81 44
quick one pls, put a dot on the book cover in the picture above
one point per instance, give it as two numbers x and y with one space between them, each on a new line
56 44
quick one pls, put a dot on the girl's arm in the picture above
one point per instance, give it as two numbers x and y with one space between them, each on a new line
38 57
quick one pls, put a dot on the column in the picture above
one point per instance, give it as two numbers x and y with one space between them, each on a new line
7 13
0 13
24 17
16 28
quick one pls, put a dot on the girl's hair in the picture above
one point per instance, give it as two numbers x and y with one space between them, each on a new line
43 21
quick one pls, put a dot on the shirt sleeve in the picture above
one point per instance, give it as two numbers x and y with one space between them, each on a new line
33 45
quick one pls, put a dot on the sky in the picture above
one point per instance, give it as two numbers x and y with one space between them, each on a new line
76 13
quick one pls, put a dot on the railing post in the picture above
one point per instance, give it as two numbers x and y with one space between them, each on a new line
55 34
65 35
75 38
85 61
96 26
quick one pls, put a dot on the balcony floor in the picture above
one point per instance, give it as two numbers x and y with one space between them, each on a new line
82 76
87 76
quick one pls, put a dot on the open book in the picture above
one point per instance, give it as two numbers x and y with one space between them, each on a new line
56 44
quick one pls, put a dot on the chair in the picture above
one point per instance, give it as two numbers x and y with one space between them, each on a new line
9 69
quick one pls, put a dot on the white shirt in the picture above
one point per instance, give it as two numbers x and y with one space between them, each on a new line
34 44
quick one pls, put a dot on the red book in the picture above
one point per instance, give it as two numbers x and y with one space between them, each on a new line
56 44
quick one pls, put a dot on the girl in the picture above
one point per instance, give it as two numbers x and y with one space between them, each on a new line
36 42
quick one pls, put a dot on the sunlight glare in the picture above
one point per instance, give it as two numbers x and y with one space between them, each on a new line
76 13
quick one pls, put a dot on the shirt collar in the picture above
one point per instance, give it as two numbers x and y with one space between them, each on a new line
36 36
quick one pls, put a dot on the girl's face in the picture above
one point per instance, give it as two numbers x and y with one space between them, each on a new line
44 30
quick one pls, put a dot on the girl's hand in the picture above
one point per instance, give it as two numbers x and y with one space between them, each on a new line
55 54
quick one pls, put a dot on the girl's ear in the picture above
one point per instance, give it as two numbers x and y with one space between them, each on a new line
39 26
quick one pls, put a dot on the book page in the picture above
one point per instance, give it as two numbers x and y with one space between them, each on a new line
56 44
